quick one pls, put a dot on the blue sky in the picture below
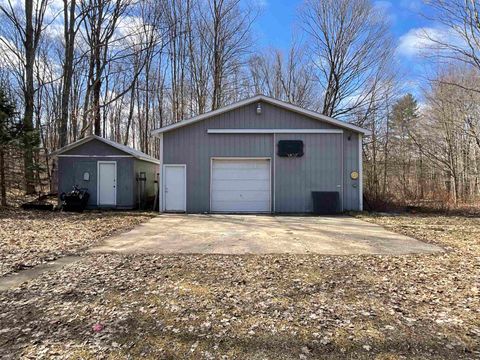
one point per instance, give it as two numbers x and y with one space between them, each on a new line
278 22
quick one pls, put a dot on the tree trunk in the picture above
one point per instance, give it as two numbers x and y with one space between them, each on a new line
130 111
217 66
86 104
29 93
67 69
97 118
3 186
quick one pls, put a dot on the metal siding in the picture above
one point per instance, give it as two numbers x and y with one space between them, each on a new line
151 171
70 173
194 147
351 163
191 145
71 170
272 117
95 147
320 169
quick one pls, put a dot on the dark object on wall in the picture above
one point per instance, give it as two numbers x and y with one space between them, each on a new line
290 148
141 191
75 200
326 202
157 191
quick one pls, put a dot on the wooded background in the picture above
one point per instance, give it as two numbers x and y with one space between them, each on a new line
120 68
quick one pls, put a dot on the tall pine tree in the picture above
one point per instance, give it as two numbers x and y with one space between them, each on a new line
404 119
9 131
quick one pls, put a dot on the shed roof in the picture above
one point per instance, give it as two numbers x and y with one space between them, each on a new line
126 149
269 100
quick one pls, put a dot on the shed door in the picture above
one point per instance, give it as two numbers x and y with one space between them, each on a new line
107 183
240 185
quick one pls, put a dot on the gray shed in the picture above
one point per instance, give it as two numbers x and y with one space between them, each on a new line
116 176
259 155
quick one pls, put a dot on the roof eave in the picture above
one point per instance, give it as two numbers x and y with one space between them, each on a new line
152 160
72 145
103 140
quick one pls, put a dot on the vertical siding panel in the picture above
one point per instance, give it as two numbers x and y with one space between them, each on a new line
202 154
346 164
351 164
308 184
303 183
243 117
238 115
319 169
314 170
240 123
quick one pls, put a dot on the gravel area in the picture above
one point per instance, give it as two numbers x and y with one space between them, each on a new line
28 238
273 306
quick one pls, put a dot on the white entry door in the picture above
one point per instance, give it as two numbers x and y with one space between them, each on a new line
107 183
175 187
240 185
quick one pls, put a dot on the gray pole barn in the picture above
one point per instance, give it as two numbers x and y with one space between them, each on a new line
236 160
114 174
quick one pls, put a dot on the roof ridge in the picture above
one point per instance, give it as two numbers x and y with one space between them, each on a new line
124 148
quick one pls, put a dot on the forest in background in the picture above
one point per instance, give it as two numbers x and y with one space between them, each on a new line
121 68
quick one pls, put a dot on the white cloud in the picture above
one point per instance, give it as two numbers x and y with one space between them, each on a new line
9 55
383 5
54 9
419 39
260 4
15 3
422 107
386 10
412 5
54 30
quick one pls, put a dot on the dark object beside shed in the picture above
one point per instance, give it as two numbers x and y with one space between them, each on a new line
37 206
75 200
326 202
108 171
43 202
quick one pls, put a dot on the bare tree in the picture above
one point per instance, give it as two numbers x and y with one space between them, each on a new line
102 17
287 78
199 62
71 24
227 31
350 46
177 14
23 44
461 39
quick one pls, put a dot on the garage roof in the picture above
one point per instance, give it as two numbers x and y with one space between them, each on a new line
126 149
269 100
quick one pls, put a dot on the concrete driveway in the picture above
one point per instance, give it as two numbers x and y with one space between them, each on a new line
249 234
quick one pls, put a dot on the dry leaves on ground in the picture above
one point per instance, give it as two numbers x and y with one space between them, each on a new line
282 307
28 238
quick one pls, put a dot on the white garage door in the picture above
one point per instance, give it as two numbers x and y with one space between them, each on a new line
240 185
